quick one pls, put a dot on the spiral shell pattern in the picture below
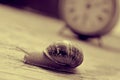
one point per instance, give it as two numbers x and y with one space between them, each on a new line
64 53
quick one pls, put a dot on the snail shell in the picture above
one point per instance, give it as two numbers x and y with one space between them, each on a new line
60 55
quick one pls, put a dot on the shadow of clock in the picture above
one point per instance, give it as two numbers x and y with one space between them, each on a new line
107 42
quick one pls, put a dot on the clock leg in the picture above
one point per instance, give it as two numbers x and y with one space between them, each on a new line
96 41
62 30
100 41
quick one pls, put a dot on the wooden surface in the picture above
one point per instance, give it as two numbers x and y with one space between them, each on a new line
33 32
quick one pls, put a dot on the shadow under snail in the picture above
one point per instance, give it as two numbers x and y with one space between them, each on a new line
62 56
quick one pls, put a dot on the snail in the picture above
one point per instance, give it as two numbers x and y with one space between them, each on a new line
62 55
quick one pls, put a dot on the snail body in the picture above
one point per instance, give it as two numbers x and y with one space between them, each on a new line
59 56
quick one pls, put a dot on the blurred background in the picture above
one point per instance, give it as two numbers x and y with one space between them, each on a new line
44 7
51 8
47 7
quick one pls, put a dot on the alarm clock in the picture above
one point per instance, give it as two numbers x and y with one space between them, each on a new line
89 18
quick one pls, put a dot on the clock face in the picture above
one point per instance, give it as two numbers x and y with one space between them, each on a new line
89 17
